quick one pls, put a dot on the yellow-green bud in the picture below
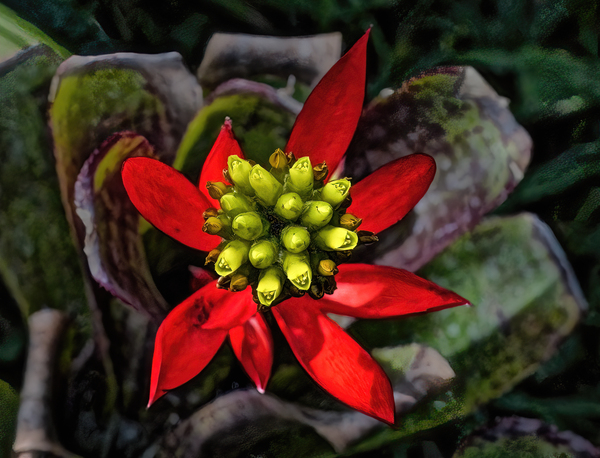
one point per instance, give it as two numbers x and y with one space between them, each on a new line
248 226
212 226
212 256
301 178
232 257
221 222
262 254
297 269
265 185
327 268
329 285
320 171
367 237
316 214
216 189
295 239
270 285
239 172
278 160
225 221
289 206
210 212
332 238
238 282
350 222
235 203
223 282
279 165
316 290
335 192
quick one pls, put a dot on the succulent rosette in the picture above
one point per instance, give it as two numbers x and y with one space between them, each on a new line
280 236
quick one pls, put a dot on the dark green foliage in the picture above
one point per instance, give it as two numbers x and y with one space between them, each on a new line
37 257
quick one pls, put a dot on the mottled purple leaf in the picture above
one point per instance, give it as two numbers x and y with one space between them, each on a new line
481 153
518 434
96 96
112 244
415 370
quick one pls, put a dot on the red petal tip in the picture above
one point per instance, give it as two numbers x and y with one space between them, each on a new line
334 360
224 146
389 418
335 104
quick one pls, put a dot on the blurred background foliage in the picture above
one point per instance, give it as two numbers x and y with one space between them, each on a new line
540 54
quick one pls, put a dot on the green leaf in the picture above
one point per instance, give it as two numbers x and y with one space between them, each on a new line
259 125
525 300
17 34
528 446
9 405
572 170
37 260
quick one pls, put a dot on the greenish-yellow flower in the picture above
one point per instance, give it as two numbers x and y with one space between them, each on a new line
301 178
265 185
235 203
289 206
316 214
295 239
270 285
262 254
335 192
332 238
248 226
232 257
297 269
239 172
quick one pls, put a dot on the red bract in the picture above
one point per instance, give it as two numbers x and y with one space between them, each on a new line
193 332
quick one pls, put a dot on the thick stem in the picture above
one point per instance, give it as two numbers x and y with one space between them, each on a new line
36 435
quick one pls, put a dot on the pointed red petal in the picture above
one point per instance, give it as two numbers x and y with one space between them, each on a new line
327 122
168 200
191 334
388 194
334 360
252 343
182 347
212 170
233 309
366 291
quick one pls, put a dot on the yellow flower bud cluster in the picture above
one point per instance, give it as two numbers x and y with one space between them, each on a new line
284 230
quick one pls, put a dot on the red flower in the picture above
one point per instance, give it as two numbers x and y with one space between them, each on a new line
193 332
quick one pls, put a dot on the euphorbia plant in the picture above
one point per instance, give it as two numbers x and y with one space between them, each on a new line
279 239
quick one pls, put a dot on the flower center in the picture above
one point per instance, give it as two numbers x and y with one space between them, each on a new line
284 231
